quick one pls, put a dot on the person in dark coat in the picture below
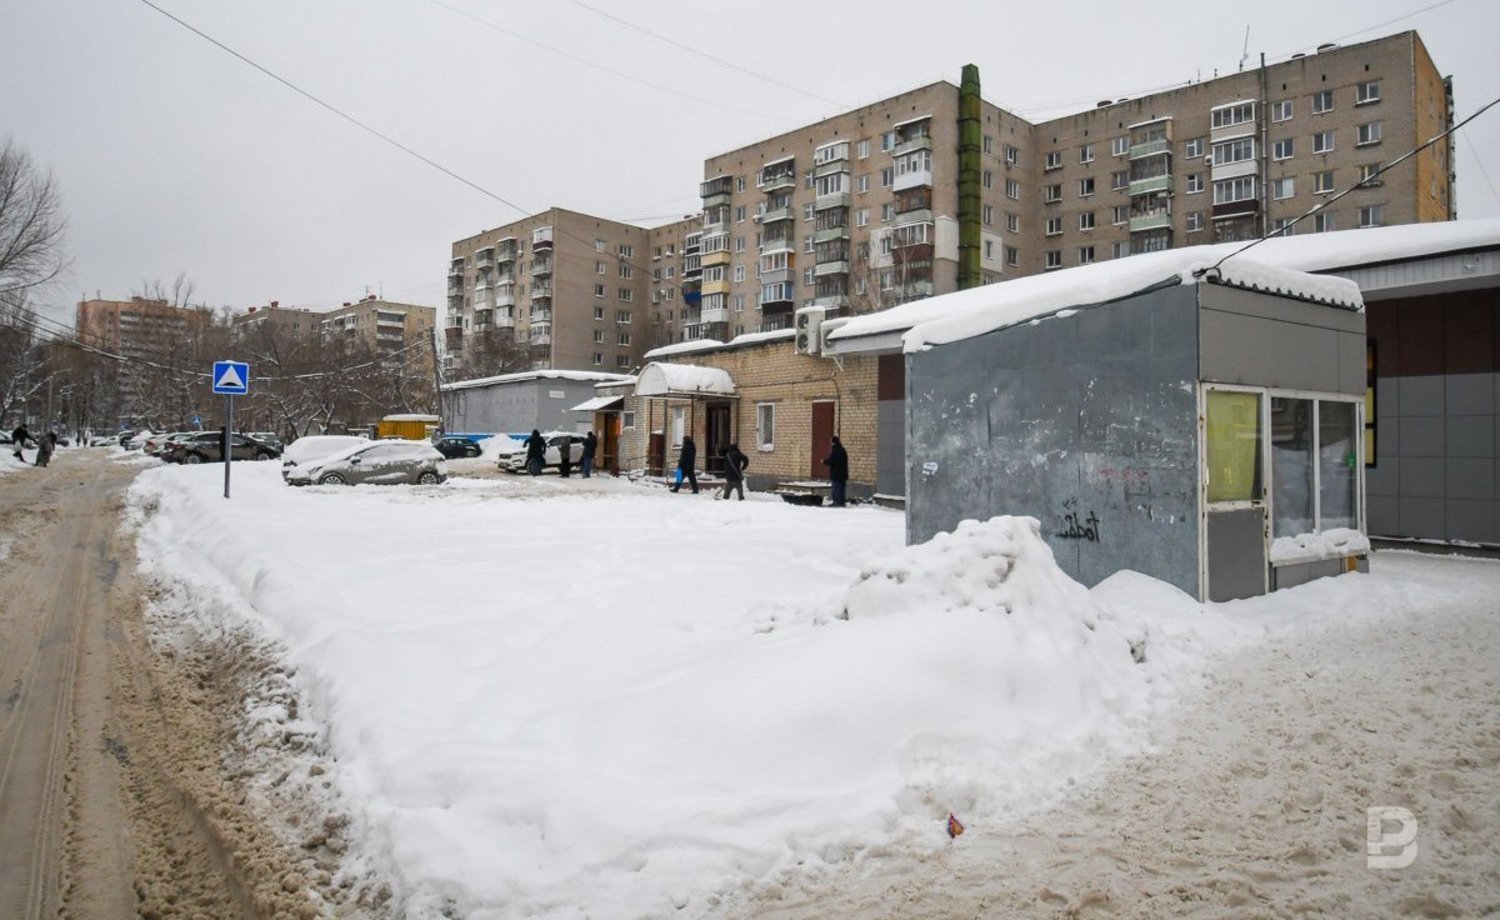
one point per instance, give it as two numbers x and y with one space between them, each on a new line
45 445
564 456
837 462
686 461
536 452
735 464
586 462
20 436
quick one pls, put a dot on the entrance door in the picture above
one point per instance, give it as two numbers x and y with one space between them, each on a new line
610 443
717 433
1234 526
822 438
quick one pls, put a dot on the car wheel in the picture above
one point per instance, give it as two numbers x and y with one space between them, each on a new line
265 455
428 478
331 479
193 458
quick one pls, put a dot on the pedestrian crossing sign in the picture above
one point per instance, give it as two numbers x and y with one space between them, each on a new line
231 378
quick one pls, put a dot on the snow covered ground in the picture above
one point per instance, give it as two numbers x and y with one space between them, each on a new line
570 698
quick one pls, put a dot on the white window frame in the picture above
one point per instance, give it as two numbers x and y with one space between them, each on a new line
1284 149
1323 141
1054 226
1086 153
1086 220
1322 101
1367 93
765 427
1052 161
1192 148
1282 189
1369 134
1319 188
1119 146
1282 111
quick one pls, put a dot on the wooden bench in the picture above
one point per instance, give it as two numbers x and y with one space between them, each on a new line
810 492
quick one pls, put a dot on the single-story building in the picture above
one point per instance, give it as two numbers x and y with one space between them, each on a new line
1200 423
520 402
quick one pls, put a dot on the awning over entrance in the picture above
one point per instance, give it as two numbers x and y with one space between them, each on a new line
662 379
598 404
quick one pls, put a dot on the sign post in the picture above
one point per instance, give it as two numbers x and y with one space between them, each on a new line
232 378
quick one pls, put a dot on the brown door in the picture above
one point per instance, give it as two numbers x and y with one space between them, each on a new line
822 438
610 461
716 437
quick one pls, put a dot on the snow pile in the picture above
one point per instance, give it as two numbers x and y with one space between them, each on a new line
527 723
493 448
1334 543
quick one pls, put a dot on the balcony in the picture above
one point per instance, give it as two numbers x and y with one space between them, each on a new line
1153 221
714 315
453 337
541 238
541 267
924 142
1153 184
541 315
778 182
1150 148
832 301
719 257
716 191
914 216
455 284
505 318
829 168
912 179
777 214
483 319
505 251
541 335
481 284
836 200
831 233
832 267
541 291
777 276
505 295
456 268
484 258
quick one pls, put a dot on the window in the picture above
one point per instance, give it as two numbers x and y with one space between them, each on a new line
600 245
1119 146
810 276
1086 220
622 361
1193 148
1230 115
739 214
1369 133
887 211
739 273
598 290
863 149
1085 255
626 250
1012 256
626 271
1054 226
887 176
598 313
1119 250
623 339
1119 180
1322 102
1282 226
1054 259
987 215
1012 223
987 179
1369 175
626 294
1323 182
887 140
1194 183
1012 155
989 143
989 250
1194 221
1313 465
600 268
1284 149
862 217
862 184
598 359
1238 150
1234 441
1053 160
1323 222
598 336
1120 214
765 426
1086 153
622 317
1322 142
1372 215
1052 193
808 213
1283 188
739 244
1012 189
1228 191
1281 111
1085 187
1366 93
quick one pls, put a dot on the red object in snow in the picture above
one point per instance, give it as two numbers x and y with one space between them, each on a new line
955 826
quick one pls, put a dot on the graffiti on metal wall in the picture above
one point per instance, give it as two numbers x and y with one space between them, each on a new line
1077 525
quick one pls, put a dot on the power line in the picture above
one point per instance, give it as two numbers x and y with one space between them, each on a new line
709 57
1479 163
1364 181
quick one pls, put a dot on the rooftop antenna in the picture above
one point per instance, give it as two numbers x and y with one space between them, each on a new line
1245 52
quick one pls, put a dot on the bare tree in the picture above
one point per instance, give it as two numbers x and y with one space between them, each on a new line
31 223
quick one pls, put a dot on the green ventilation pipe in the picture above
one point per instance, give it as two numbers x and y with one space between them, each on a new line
969 171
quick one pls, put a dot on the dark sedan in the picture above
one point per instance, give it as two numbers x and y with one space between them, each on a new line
208 447
458 448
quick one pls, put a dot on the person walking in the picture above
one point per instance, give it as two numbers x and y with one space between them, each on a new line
536 452
735 464
686 461
19 437
586 462
564 456
837 462
45 445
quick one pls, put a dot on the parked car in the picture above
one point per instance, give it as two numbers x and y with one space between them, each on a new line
208 447
157 443
316 447
270 438
514 460
458 448
135 440
384 462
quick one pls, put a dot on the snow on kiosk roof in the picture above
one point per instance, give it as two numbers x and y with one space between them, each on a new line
662 379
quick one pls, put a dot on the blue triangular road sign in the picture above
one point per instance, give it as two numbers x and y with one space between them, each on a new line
232 377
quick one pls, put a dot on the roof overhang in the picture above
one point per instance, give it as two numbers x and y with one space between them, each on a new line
599 404
660 378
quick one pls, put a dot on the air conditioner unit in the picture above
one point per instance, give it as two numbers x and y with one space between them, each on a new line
809 322
826 328
1208 160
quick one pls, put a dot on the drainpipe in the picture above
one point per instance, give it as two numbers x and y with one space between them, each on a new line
969 171
1264 117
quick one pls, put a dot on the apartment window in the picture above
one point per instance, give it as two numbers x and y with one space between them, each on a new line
989 250
863 149
1086 220
626 271
1369 133
622 361
862 217
887 211
598 313
987 215
1085 187
1282 226
626 250
1194 221
739 214
809 244
1366 93
807 212
601 268
887 176
1053 160
1322 142
1012 223
1052 193
1085 255
1119 146
1119 180
1054 226
1012 189
1284 149
598 290
1054 259
1194 183
1369 175
1012 155
1119 250
739 183
809 178
739 273
739 244
1193 148
623 339
1012 256
598 359
598 336
987 179
626 295
1120 214
1323 222
765 426
1228 191
622 317
989 143
1231 115
1086 153
1283 188
1238 150
887 140
1322 102
809 276
739 299
1372 215
862 184
1323 182
1281 111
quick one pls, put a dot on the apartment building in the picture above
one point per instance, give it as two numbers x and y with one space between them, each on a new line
388 327
280 323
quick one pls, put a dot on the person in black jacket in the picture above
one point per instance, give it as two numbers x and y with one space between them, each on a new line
735 464
20 436
586 462
686 460
536 452
837 462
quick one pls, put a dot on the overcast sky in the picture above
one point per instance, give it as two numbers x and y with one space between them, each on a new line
175 157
